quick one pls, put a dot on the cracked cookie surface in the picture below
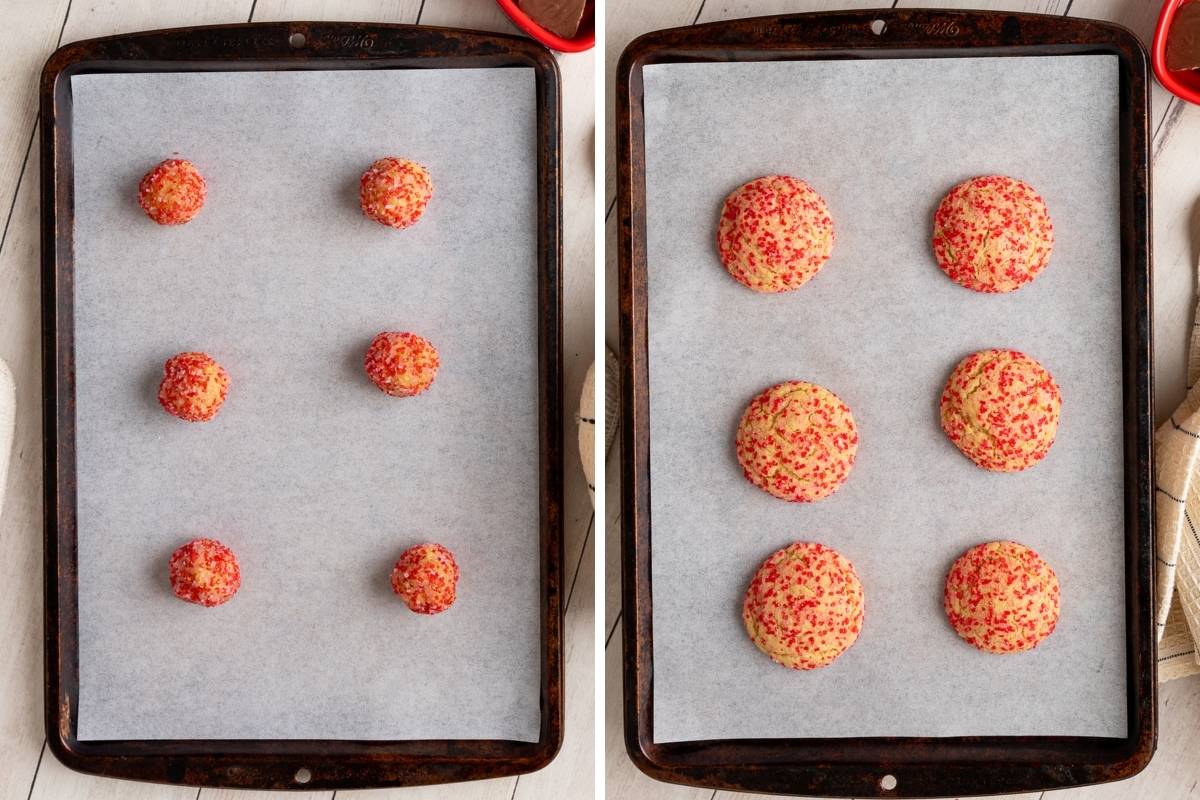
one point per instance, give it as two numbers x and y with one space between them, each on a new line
804 606
1002 597
797 441
992 234
775 233
1001 409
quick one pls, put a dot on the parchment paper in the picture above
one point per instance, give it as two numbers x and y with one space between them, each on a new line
314 477
882 327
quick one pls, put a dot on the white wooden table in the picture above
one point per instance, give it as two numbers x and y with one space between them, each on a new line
30 31
1175 770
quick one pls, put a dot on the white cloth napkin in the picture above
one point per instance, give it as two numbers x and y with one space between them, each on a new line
1177 510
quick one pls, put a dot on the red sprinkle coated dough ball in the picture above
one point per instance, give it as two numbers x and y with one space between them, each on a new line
426 578
797 442
394 192
193 387
205 572
401 364
173 192
775 233
1001 409
992 234
1002 597
804 607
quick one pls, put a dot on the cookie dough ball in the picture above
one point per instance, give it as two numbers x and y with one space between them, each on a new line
797 441
193 387
426 578
775 233
205 572
992 234
804 607
1002 597
394 192
173 192
1001 409
401 364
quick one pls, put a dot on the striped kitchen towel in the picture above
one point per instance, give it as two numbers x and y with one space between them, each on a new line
1177 508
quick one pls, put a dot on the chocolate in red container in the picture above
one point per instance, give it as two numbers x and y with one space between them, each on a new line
1183 83
584 38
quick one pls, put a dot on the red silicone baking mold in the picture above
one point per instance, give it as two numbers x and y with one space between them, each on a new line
585 39
1183 83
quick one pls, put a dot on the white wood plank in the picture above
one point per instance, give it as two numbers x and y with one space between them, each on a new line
624 781
467 14
27 38
572 773
399 11
56 782
21 727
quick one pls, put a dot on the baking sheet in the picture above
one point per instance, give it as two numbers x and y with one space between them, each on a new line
881 326
315 478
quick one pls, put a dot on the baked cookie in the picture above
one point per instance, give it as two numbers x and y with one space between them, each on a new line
992 234
173 192
1002 597
1001 409
193 387
394 192
797 441
401 364
804 607
775 233
426 578
204 572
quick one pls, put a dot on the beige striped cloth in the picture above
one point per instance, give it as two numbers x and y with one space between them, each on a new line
1177 506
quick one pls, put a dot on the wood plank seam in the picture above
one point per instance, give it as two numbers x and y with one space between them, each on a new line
29 147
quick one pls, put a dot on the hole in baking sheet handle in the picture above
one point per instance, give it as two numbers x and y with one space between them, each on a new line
878 26
888 782
296 40
303 775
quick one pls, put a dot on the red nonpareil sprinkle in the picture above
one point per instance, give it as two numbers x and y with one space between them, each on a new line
797 441
204 572
401 364
173 192
395 192
193 387
992 234
426 578
774 233
1001 409
804 606
1002 597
